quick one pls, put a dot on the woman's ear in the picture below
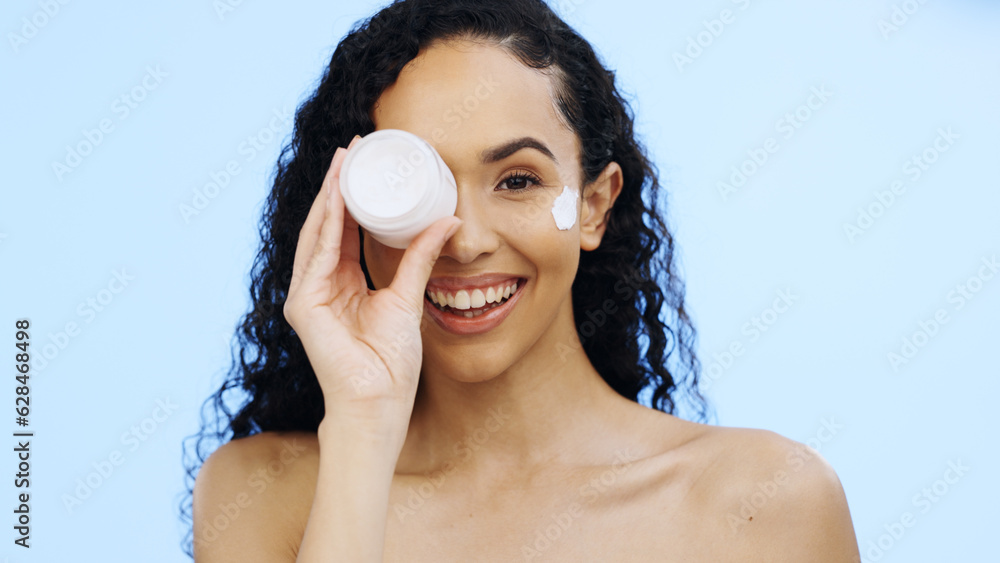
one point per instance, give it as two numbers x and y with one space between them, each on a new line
598 197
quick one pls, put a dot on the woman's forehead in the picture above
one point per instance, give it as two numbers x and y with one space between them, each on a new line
459 89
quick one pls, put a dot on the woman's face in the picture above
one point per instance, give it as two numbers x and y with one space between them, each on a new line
491 117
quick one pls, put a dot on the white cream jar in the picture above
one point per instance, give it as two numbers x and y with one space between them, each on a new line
395 185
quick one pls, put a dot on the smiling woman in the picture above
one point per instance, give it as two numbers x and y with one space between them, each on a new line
475 396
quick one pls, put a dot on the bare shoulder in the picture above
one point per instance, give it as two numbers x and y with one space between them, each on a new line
764 497
249 497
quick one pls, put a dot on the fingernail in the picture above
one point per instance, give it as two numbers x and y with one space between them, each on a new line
338 155
354 140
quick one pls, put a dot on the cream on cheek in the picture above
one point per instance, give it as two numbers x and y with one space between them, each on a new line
532 236
564 209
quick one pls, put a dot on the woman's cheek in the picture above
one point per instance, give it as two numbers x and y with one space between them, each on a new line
533 229
546 213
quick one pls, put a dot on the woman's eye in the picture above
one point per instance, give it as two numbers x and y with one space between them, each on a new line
520 181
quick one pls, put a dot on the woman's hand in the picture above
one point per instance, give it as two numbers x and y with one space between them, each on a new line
364 345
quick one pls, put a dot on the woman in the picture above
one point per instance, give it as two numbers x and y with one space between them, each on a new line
524 438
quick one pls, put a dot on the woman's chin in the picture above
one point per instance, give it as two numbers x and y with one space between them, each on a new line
471 370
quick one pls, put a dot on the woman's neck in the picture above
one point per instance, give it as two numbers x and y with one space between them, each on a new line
548 409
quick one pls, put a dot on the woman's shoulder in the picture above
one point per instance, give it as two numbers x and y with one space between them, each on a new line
265 454
252 485
744 461
760 492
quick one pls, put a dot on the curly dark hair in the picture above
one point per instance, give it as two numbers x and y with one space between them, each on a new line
634 263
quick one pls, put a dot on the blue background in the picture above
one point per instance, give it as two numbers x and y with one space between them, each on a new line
822 363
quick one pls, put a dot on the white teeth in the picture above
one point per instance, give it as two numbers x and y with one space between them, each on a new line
462 300
478 299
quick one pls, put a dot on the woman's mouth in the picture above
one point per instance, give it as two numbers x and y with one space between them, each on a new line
473 310
471 304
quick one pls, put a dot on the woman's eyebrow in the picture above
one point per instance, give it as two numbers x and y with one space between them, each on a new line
500 152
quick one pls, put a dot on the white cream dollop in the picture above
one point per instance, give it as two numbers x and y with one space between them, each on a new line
564 209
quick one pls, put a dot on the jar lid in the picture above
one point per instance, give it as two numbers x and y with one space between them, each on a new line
387 175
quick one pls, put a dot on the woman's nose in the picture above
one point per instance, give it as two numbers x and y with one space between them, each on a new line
477 235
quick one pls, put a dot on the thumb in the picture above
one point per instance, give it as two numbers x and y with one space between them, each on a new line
418 260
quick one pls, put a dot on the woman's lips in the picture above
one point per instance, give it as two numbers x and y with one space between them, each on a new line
488 320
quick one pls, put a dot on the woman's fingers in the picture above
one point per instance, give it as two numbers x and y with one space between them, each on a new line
325 253
350 245
418 260
309 233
